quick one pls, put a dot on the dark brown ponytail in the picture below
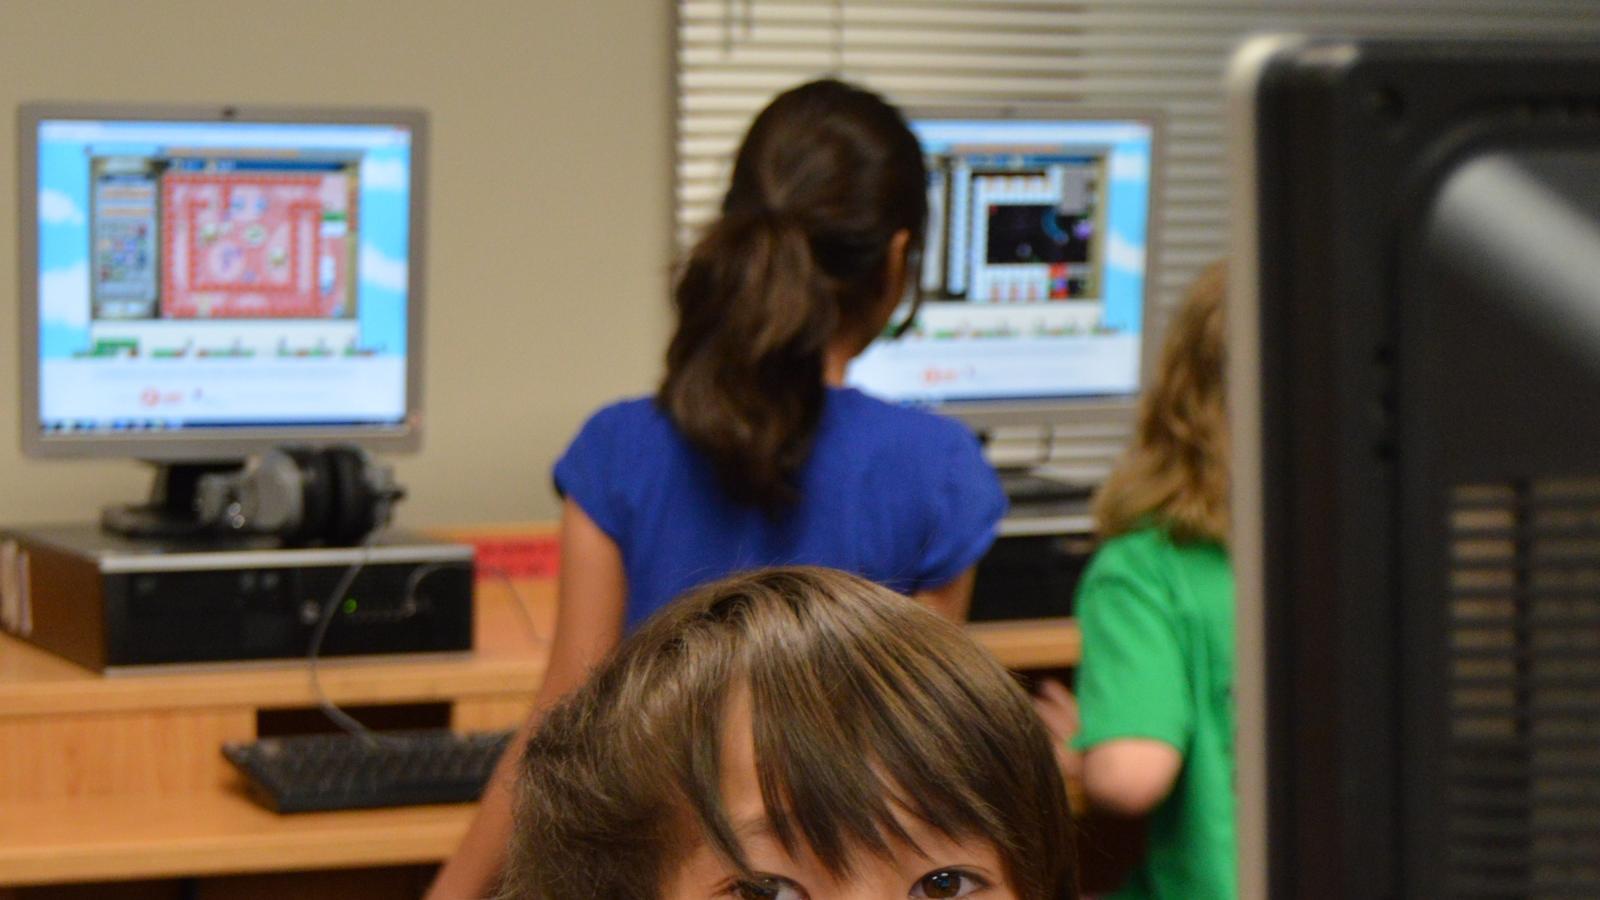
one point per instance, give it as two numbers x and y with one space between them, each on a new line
825 178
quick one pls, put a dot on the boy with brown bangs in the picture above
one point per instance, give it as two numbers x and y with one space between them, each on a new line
794 734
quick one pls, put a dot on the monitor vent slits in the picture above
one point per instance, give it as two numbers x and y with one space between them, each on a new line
1523 770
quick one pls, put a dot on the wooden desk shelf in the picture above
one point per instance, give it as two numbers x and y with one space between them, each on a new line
113 779
130 837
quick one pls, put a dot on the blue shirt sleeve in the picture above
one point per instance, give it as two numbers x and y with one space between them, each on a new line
587 473
965 511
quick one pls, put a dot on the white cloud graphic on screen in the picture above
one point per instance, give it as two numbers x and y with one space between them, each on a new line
383 175
56 208
64 296
1123 255
1130 167
382 271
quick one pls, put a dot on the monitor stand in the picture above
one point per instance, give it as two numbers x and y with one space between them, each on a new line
170 513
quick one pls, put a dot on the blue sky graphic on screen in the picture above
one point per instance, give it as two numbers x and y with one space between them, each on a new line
1033 272
220 274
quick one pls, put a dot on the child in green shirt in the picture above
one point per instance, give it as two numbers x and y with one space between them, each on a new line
1154 710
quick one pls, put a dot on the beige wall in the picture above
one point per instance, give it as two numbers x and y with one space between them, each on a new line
550 224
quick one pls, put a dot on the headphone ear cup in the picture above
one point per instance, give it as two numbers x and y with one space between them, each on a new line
352 515
317 485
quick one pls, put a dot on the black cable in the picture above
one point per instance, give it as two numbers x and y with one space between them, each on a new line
331 606
520 602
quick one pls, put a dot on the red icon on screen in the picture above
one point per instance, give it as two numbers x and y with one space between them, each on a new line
150 397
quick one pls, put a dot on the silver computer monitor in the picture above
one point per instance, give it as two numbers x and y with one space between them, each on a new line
1035 269
201 283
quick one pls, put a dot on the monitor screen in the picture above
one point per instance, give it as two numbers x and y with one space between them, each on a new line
1033 270
226 277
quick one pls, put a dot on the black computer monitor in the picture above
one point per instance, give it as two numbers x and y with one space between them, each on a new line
1415 367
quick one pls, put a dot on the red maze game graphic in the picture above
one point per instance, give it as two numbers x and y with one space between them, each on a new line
254 247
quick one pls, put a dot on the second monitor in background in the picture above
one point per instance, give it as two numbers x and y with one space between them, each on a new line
1034 272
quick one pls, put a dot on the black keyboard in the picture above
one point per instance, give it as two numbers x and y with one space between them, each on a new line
1028 487
307 773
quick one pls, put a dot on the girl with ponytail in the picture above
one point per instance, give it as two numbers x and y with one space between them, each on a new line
752 452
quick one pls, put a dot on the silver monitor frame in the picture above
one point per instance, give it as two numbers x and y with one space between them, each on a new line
195 444
1243 78
1088 411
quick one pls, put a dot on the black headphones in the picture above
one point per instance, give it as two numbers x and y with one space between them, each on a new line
334 495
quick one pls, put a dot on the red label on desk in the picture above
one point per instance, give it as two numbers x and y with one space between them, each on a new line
518 557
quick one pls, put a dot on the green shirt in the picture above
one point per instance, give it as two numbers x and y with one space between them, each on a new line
1157 621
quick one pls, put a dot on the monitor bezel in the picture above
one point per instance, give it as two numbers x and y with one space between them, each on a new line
200 443
1113 410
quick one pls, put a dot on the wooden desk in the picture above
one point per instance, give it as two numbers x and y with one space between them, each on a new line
114 779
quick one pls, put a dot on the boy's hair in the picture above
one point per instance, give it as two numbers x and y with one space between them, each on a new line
1175 474
826 176
861 703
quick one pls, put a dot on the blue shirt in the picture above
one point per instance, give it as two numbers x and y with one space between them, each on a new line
896 495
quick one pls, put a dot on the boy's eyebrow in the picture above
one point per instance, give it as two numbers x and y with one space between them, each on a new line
918 829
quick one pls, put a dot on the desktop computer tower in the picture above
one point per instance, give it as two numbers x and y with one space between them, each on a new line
113 604
1029 576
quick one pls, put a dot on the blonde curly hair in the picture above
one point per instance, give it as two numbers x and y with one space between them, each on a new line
1175 475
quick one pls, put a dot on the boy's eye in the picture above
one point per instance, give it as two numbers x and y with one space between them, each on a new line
768 887
947 883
